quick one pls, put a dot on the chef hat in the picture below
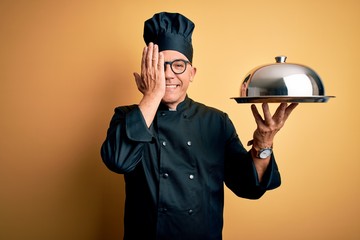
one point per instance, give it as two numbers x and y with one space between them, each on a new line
170 31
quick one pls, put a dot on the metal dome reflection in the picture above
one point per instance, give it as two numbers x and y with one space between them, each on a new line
282 82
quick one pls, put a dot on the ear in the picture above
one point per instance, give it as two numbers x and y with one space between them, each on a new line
192 73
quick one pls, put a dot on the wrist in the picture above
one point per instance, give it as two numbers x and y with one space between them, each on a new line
260 151
262 139
150 100
257 145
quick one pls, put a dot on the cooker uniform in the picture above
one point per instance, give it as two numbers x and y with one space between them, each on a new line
175 170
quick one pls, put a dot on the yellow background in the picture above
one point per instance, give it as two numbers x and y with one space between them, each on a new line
65 65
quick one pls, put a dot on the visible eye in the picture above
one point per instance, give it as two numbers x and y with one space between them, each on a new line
178 64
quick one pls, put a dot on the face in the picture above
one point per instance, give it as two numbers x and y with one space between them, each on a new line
176 84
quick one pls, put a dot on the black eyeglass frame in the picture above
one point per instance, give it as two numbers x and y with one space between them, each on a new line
177 60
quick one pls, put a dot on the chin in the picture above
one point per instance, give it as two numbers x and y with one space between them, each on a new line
171 100
168 101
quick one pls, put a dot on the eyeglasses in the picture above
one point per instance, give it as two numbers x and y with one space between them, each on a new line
178 66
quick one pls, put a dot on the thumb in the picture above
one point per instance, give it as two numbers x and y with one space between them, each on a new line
137 79
137 76
139 82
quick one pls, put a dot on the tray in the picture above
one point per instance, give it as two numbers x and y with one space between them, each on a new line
280 99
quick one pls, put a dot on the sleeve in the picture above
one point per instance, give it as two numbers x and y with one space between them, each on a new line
127 133
240 172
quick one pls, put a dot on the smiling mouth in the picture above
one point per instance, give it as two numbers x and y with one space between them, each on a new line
172 86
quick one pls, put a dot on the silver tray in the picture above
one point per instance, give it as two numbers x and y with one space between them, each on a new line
281 99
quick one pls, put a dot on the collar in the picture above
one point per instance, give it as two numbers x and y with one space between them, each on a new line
180 107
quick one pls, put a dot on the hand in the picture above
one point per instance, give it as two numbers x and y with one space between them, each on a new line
267 128
151 82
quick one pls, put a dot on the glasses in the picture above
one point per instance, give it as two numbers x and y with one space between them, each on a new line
178 66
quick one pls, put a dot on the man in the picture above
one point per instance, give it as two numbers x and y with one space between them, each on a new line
175 153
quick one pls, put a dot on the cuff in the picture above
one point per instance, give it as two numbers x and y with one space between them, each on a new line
136 128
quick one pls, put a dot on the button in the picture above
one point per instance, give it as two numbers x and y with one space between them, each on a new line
164 143
189 143
191 176
163 210
163 114
165 175
190 212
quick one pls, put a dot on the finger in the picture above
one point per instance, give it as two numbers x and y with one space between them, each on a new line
257 116
289 109
143 59
139 82
149 55
279 113
161 62
266 111
137 77
155 55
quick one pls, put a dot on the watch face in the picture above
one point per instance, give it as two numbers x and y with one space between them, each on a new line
264 153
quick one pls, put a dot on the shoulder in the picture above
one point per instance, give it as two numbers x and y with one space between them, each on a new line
121 112
201 107
125 109
213 121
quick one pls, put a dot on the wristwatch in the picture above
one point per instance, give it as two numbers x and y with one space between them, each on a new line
263 153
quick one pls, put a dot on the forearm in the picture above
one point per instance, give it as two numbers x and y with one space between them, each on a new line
260 164
266 130
148 107
151 82
261 140
248 178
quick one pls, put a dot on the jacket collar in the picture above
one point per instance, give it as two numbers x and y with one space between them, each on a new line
180 107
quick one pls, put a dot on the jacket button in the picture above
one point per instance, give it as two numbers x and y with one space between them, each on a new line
189 143
164 143
163 210
190 212
165 175
191 176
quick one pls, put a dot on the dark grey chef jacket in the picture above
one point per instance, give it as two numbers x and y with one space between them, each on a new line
175 170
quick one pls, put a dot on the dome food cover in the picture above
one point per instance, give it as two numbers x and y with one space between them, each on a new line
282 82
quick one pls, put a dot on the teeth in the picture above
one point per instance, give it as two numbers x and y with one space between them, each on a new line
171 86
